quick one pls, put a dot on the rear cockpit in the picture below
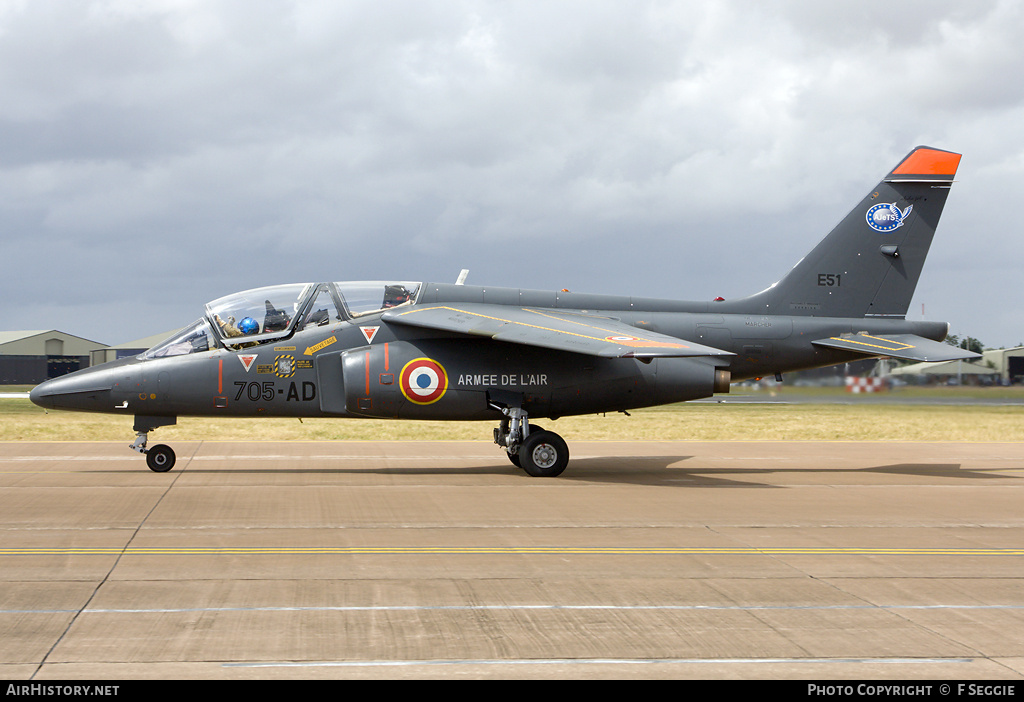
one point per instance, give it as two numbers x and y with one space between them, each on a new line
270 314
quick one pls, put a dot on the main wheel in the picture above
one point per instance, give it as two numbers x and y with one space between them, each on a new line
543 454
160 458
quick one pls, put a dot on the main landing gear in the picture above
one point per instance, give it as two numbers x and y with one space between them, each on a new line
159 458
542 454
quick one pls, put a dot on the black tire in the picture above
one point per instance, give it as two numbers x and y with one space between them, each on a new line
544 454
160 458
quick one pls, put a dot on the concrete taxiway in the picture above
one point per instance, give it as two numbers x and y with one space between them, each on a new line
439 559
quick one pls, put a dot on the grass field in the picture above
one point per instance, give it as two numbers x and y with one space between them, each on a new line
22 421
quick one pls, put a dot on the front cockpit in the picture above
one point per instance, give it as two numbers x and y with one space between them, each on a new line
254 317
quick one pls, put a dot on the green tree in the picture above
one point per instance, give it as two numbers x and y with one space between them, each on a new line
966 342
972 344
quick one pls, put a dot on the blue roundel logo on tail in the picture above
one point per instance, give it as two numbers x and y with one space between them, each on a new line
886 217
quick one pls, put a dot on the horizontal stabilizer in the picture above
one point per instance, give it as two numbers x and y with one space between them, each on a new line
563 331
908 346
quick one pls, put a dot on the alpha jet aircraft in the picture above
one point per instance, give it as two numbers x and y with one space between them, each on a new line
417 350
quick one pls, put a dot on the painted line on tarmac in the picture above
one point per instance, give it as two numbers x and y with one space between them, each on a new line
263 457
595 661
511 550
434 457
517 608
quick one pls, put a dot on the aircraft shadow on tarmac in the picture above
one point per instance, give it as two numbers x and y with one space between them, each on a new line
647 470
662 470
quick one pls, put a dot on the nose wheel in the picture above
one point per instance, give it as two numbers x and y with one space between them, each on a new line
159 458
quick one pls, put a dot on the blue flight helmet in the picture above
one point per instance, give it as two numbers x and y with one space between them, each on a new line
249 326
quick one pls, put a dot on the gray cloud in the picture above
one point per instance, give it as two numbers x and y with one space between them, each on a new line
157 155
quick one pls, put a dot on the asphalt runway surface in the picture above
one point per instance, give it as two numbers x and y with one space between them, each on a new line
817 560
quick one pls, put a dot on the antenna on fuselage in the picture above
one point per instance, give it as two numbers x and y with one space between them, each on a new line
462 276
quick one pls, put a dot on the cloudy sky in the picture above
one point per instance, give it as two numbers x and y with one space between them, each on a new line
157 154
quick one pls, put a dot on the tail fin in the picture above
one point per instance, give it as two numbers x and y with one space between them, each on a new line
870 263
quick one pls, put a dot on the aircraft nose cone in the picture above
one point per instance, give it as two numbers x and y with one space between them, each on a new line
41 396
76 391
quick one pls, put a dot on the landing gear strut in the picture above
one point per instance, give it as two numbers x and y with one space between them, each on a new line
542 454
159 458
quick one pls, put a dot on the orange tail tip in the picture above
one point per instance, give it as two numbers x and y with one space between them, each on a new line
924 161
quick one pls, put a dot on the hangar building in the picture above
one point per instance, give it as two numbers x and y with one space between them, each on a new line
30 357
1009 363
130 348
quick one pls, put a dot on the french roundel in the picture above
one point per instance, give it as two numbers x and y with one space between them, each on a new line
423 381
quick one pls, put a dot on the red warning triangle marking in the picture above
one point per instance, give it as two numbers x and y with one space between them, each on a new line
247 360
369 333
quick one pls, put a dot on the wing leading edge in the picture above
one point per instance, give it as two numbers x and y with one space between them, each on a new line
562 331
908 346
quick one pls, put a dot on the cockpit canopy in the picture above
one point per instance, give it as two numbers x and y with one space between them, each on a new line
258 316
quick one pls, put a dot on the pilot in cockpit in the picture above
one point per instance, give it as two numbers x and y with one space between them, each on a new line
228 328
247 327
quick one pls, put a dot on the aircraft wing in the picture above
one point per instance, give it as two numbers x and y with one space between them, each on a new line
552 329
908 346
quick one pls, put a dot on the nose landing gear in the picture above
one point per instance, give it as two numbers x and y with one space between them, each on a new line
159 458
